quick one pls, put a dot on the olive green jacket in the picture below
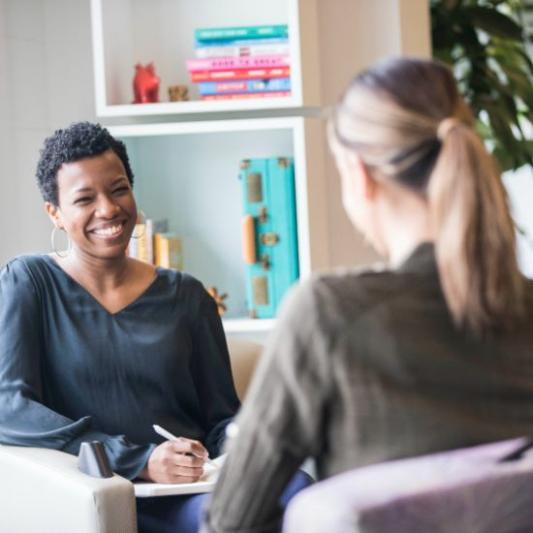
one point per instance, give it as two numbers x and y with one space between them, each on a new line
367 367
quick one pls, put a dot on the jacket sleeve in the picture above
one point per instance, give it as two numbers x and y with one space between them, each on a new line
212 374
280 425
24 419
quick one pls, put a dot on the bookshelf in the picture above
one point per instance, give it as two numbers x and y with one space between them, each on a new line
126 32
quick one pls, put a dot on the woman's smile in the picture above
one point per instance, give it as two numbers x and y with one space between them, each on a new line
109 231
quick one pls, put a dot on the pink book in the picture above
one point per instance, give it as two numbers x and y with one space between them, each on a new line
240 74
230 63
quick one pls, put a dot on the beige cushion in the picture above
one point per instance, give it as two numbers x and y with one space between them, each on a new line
244 356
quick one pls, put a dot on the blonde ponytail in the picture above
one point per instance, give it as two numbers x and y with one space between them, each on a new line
475 236
406 120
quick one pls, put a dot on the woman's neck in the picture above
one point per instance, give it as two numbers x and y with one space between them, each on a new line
102 274
402 248
406 224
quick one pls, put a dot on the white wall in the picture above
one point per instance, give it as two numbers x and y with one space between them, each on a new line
520 188
45 83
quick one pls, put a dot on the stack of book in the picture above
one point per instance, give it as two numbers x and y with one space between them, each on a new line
241 62
151 242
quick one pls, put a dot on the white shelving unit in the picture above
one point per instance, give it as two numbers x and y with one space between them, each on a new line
126 32
186 154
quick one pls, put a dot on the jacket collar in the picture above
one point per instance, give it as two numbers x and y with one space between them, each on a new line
420 260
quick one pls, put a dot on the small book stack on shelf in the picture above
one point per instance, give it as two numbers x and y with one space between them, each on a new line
151 242
241 62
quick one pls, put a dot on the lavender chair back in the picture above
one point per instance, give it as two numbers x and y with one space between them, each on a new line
470 490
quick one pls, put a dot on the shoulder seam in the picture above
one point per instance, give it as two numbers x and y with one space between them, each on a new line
30 275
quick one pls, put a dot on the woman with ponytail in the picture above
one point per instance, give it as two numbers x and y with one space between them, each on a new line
431 353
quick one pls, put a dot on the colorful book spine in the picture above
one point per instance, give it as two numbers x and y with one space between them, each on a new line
141 245
149 228
239 42
249 50
240 74
245 86
241 32
142 252
168 251
230 63
240 96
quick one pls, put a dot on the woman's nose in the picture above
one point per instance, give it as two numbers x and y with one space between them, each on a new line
106 207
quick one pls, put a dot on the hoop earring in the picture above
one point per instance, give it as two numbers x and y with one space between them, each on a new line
142 221
52 240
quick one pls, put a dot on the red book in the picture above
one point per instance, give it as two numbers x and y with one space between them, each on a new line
274 94
230 63
240 74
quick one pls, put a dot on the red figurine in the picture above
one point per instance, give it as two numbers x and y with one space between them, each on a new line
145 84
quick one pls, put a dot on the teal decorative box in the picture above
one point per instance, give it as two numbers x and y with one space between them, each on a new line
270 243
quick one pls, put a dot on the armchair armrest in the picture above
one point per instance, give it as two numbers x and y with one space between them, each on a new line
43 491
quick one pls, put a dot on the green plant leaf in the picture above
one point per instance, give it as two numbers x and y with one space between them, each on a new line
493 70
494 22
504 160
519 84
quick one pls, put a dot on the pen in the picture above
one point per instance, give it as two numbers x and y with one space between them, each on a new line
169 436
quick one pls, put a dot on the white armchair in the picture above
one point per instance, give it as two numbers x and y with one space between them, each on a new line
42 491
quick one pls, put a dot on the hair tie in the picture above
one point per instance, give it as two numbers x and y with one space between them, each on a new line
446 125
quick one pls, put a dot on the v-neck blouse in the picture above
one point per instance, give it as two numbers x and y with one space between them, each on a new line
71 371
55 264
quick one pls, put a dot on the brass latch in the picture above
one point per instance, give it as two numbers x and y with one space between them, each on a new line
265 262
269 239
263 215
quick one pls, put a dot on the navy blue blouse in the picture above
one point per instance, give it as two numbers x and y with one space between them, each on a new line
70 371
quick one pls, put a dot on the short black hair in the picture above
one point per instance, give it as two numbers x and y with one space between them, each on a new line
79 141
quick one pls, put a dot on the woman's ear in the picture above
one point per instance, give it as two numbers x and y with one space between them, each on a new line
368 185
53 212
363 183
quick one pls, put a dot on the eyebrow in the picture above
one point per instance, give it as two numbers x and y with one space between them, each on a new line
119 179
88 189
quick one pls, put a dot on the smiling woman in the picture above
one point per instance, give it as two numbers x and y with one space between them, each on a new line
86 181
98 346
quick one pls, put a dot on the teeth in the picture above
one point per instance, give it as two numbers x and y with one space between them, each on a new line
109 232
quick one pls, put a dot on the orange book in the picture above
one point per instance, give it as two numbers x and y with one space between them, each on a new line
168 251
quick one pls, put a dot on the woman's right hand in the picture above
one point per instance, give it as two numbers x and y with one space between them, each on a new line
176 461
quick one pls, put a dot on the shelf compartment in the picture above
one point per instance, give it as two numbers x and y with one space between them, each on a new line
187 172
126 32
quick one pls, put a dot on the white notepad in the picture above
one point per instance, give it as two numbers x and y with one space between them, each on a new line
146 489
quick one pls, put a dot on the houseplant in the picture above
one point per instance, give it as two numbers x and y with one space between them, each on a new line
483 42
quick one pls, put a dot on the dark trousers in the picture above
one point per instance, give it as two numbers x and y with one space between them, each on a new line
182 514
